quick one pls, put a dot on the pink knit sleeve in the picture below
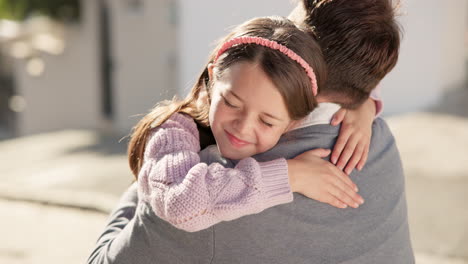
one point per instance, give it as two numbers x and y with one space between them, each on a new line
192 195
375 95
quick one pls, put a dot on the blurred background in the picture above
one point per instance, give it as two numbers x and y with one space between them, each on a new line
76 75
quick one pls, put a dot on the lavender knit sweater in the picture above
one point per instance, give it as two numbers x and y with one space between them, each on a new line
192 195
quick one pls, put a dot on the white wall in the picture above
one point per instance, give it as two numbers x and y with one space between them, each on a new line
67 95
432 58
204 22
143 48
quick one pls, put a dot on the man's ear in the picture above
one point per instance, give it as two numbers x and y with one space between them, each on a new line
298 14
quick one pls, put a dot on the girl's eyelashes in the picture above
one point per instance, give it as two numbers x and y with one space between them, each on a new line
226 102
266 123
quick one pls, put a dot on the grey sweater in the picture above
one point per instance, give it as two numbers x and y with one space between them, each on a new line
304 231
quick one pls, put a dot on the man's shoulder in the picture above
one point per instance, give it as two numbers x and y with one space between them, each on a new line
310 137
211 155
328 132
381 125
381 133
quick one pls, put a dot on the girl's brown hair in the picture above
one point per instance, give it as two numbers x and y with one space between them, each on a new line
288 76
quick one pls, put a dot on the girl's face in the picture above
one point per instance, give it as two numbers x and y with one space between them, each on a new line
247 113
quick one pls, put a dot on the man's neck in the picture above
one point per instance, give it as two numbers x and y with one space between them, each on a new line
323 114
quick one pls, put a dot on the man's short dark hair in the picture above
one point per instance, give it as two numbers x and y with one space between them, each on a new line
360 40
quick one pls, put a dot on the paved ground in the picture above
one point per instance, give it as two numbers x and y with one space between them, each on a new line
436 166
56 190
34 233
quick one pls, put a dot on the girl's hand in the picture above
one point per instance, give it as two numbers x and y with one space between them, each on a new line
352 146
320 180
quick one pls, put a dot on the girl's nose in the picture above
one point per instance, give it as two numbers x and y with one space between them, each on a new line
243 124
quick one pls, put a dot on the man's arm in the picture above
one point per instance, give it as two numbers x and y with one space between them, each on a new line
118 220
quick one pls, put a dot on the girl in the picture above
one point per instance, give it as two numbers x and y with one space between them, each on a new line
261 80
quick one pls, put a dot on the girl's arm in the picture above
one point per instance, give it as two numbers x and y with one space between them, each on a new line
192 195
352 146
122 236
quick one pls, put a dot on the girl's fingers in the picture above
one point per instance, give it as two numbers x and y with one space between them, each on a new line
333 201
321 153
364 158
356 157
344 193
338 117
343 177
342 196
347 153
340 144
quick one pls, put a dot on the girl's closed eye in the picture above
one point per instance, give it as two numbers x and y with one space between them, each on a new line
266 123
227 103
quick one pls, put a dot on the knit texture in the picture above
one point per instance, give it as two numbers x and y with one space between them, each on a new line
192 195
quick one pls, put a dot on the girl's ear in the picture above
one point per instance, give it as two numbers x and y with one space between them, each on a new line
210 68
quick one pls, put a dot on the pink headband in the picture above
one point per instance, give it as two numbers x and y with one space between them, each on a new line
272 45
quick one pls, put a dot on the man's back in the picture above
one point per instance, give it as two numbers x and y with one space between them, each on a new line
307 231
304 231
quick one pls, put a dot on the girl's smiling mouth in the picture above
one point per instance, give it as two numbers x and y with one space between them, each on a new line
236 142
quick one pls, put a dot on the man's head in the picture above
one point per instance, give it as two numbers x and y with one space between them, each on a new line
360 40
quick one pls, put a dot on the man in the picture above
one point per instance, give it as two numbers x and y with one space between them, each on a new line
360 42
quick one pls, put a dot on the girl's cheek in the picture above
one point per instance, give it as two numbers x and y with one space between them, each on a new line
267 140
221 111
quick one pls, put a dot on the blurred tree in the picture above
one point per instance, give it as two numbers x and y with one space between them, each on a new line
63 10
